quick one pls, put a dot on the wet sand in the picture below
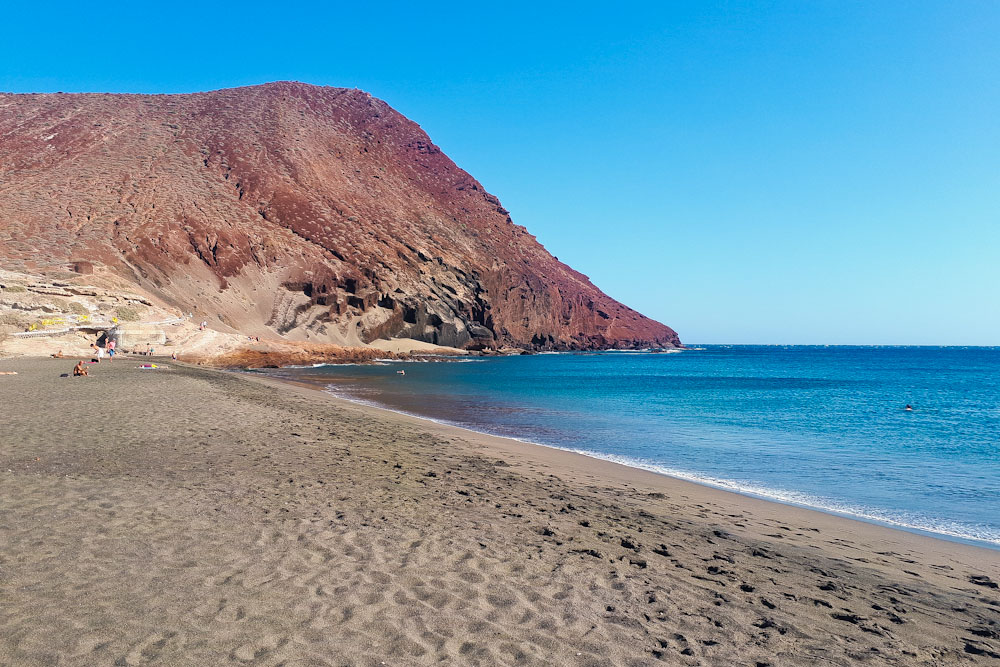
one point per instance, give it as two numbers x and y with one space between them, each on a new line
196 517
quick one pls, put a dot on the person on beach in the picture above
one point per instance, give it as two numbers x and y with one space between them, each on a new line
80 370
58 355
111 349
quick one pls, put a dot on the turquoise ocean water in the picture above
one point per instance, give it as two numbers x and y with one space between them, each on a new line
822 427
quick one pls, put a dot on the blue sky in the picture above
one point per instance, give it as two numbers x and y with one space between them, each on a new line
746 172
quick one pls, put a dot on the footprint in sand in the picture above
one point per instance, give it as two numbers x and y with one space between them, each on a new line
149 649
259 648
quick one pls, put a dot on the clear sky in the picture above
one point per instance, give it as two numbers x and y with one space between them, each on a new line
746 172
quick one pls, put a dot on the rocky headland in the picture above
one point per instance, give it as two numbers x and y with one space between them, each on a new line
287 211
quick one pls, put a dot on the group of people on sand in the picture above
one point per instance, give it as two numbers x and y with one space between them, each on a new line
80 370
109 349
100 350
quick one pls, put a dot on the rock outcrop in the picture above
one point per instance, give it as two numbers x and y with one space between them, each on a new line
316 213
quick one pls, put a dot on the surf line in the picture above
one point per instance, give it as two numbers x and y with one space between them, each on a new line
989 539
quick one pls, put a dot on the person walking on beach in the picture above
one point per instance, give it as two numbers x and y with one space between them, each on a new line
111 349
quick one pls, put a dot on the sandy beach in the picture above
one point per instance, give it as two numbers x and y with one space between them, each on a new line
186 516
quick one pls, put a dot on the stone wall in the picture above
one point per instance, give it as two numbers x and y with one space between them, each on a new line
131 336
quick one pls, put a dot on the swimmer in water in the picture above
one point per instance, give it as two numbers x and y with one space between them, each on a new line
908 408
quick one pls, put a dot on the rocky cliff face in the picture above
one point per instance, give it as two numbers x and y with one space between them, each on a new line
316 213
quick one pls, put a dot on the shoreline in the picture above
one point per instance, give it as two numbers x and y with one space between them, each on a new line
187 515
678 475
619 472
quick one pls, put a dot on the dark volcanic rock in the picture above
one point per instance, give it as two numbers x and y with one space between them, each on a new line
314 212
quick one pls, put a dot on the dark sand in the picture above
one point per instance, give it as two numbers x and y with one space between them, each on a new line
194 517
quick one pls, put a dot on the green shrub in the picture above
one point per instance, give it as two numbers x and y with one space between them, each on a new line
130 313
78 308
15 321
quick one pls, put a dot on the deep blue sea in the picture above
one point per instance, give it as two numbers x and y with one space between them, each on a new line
822 427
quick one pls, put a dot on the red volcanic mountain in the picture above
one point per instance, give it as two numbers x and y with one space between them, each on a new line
316 213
